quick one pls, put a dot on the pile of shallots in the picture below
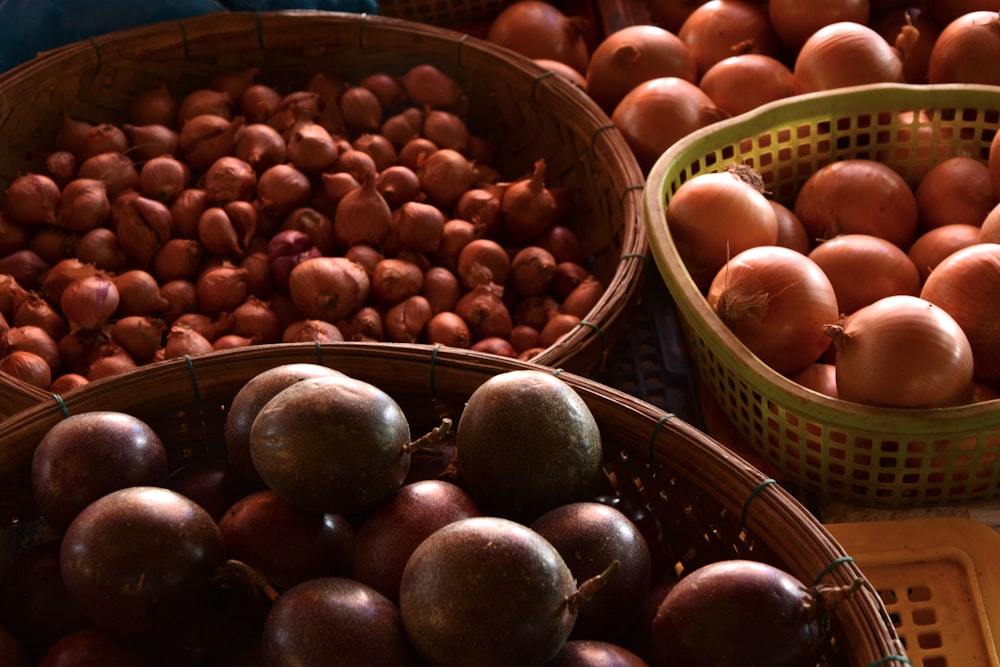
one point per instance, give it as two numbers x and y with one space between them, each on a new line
239 214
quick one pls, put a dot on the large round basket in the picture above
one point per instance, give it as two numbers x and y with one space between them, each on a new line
528 112
839 450
711 504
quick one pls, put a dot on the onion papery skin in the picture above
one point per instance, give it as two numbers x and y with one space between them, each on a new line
634 54
956 190
741 83
858 196
538 29
845 54
967 50
776 301
864 268
934 245
965 285
795 21
722 28
657 113
715 216
903 352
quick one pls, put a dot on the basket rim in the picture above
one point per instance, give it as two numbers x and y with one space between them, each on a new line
694 307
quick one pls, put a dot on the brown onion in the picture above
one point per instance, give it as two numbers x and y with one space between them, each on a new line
413 152
902 352
186 208
141 336
845 54
442 289
258 102
657 113
934 245
71 132
405 321
556 327
394 280
538 29
116 170
794 21
205 138
260 146
34 339
531 271
155 105
446 130
445 175
89 302
281 189
183 341
427 84
27 367
138 293
229 179
84 205
182 297
255 317
484 310
634 54
740 83
447 328
366 324
149 141
722 28
955 191
306 331
221 288
111 361
483 262
361 109
528 207
380 149
178 259
163 178
67 382
310 148
100 247
210 328
420 226
481 206
102 138
61 167
967 50
397 185
32 199
328 288
204 101
362 216
35 311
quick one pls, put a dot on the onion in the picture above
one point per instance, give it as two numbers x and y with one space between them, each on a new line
317 227
310 148
183 341
258 102
993 162
336 185
864 268
361 110
858 196
481 206
149 141
795 21
35 311
178 259
207 137
204 324
447 328
366 324
445 175
428 85
221 288
155 105
657 113
328 288
722 28
483 262
776 302
116 170
182 297
61 167
671 14
934 245
295 107
186 208
207 102
67 382
398 128
260 146
405 321
523 338
538 29
989 232
820 377
84 205
741 83
112 360
34 339
27 367
634 54
138 293
395 280
52 244
89 302
484 310
413 152
845 54
140 336
528 206
387 89
71 132
234 82
902 352
446 130
740 218
231 341
100 247
379 148
397 185
362 216
791 232
229 179
531 271
281 189
306 331
163 178
967 50
420 226
955 191
31 199
496 345
563 70
101 138
255 317
142 225
442 289
965 285
562 242
556 327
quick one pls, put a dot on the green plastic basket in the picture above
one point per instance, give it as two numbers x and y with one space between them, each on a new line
840 450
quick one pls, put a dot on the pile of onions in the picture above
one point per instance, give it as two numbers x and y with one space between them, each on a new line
254 215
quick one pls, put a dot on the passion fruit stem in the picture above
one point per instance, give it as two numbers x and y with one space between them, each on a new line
591 587
234 571
831 597
424 443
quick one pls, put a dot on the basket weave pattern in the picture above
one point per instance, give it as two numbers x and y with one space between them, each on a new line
868 456
710 504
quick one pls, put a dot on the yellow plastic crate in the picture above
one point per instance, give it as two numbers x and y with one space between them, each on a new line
840 450
938 579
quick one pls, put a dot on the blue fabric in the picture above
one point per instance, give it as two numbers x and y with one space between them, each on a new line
30 26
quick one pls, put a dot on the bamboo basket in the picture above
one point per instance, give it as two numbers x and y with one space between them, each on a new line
711 504
530 113
877 457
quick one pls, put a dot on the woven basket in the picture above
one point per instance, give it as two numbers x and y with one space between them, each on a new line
531 113
650 456
840 450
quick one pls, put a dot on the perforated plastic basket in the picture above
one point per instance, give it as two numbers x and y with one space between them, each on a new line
938 578
858 454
